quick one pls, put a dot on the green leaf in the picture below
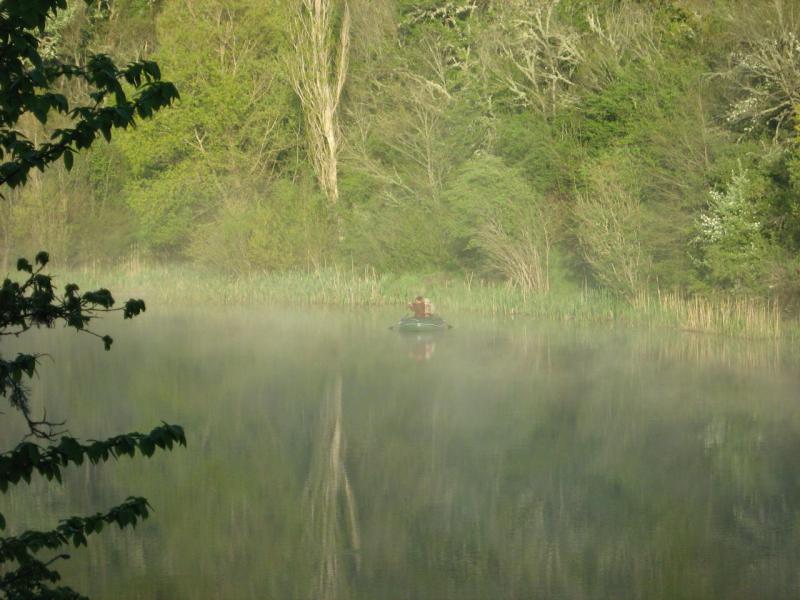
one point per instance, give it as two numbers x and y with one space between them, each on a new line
71 449
133 308
24 265
147 446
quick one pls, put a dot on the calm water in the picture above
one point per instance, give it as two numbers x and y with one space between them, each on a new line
332 459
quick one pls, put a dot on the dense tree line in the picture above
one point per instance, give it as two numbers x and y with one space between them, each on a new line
545 142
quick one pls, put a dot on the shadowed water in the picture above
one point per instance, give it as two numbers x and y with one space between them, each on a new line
331 459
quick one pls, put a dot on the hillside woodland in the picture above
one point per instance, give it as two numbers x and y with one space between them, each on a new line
628 145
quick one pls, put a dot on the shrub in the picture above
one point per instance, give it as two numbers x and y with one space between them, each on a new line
732 250
608 217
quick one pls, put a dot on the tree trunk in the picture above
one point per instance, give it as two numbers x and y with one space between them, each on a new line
318 70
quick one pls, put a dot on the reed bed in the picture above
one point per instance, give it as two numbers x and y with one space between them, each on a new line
729 316
336 286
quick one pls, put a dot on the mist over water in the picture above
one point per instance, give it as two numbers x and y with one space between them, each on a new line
330 458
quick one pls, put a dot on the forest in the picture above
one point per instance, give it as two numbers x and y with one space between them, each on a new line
549 145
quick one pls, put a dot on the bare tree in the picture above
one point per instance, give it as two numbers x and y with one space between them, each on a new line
540 53
417 129
406 121
522 252
318 69
765 70
620 35
609 221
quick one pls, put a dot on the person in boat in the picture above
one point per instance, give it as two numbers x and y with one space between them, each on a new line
421 307
418 307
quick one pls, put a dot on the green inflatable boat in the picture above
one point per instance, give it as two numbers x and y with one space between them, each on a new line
421 324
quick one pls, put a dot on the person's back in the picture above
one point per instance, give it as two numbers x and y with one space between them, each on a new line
419 307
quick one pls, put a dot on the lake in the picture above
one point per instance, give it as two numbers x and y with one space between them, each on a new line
330 458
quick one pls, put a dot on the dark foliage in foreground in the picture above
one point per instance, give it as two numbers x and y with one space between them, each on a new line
27 83
46 451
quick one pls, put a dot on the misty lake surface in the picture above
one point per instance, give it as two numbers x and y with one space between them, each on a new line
332 459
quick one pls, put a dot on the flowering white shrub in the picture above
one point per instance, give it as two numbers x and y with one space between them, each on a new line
731 216
733 247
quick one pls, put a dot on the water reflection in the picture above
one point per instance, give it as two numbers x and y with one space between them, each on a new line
332 527
523 461
422 346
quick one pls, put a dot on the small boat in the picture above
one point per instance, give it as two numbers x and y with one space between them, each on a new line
421 324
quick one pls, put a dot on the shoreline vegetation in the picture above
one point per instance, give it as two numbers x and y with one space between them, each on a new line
649 148
749 318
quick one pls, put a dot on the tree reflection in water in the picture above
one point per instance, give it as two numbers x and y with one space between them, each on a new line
332 532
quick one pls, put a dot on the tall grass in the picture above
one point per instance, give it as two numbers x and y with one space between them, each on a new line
726 315
335 286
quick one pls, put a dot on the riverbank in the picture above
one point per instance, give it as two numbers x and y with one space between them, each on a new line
184 285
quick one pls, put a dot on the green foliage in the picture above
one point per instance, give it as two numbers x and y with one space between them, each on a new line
607 116
733 249
284 228
408 236
547 156
26 89
608 224
21 462
490 207
542 92
30 74
34 302
231 135
765 74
